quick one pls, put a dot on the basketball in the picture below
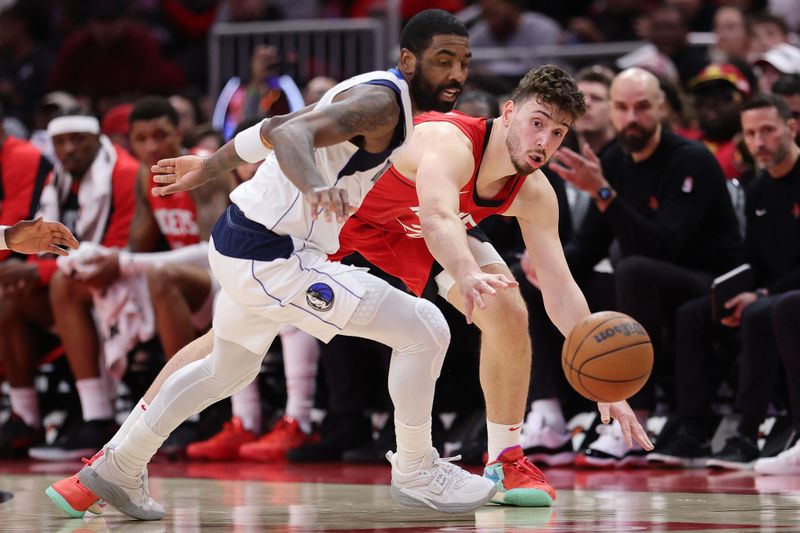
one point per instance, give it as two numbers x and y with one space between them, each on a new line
607 357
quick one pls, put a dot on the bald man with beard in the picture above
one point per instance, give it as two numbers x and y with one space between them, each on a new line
661 211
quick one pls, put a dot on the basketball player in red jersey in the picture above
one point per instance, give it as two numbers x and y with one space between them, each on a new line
455 171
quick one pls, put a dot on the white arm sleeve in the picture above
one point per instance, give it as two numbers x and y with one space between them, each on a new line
249 146
3 245
135 263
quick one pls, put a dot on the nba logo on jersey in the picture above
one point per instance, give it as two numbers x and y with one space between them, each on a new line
320 296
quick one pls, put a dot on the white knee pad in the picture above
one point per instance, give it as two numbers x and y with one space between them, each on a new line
375 291
433 320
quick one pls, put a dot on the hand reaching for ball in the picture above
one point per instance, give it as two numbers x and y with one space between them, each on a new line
631 428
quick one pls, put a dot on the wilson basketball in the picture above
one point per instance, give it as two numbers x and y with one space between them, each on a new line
607 357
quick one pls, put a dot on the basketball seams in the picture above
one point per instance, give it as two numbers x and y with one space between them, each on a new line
625 347
586 336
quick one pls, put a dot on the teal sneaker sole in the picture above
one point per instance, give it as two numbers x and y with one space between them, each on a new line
523 498
62 504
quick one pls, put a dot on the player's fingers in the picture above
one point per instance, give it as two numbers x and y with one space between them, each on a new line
479 299
53 249
625 424
605 412
163 163
468 307
640 434
563 171
165 178
162 169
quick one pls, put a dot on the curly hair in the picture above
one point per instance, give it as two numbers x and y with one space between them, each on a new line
551 86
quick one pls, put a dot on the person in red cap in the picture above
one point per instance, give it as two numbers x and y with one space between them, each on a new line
115 124
720 90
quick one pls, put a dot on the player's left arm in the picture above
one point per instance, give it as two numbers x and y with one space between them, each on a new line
536 210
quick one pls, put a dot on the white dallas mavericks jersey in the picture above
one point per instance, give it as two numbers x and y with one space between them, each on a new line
270 199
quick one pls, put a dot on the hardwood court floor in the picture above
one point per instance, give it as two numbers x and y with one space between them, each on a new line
245 498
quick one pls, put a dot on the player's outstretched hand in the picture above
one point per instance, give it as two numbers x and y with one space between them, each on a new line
631 428
179 174
39 236
331 201
474 286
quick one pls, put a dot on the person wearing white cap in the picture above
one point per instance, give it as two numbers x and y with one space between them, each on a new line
778 61
90 191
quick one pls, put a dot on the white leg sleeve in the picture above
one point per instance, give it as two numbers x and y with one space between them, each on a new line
226 370
418 335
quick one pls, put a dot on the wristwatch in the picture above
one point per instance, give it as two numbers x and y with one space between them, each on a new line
604 193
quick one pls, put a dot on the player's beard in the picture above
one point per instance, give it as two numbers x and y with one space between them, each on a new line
426 96
635 137
519 158
775 156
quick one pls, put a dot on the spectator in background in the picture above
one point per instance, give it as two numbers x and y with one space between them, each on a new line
766 32
91 190
203 138
115 124
315 88
52 105
662 201
23 172
113 56
268 93
24 61
785 317
788 88
610 20
668 31
187 114
699 14
477 103
248 11
719 92
505 23
778 61
773 250
731 31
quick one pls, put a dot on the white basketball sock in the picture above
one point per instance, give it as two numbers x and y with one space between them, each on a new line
413 444
246 404
300 361
137 448
25 403
502 436
135 414
95 399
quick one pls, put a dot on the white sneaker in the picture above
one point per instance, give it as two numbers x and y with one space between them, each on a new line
440 485
610 451
547 445
786 463
130 495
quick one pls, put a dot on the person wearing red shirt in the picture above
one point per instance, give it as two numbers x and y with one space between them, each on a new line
91 192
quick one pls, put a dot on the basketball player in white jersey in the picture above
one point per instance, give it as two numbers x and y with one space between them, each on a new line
269 253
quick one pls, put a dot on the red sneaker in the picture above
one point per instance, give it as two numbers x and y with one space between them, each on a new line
224 446
72 497
518 481
272 447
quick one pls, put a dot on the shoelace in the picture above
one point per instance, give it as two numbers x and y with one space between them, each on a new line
449 470
525 467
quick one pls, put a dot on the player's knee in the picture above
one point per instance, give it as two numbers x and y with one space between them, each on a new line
438 333
505 312
63 289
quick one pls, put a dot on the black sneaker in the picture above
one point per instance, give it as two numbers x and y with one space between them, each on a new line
17 437
739 453
682 449
337 434
83 439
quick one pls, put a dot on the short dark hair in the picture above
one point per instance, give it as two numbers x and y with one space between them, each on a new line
420 30
150 107
769 100
590 74
787 85
769 18
552 86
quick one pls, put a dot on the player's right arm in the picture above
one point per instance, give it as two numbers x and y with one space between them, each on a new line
365 112
445 164
188 172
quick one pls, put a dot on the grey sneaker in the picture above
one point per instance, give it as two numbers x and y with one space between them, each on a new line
130 495
440 485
